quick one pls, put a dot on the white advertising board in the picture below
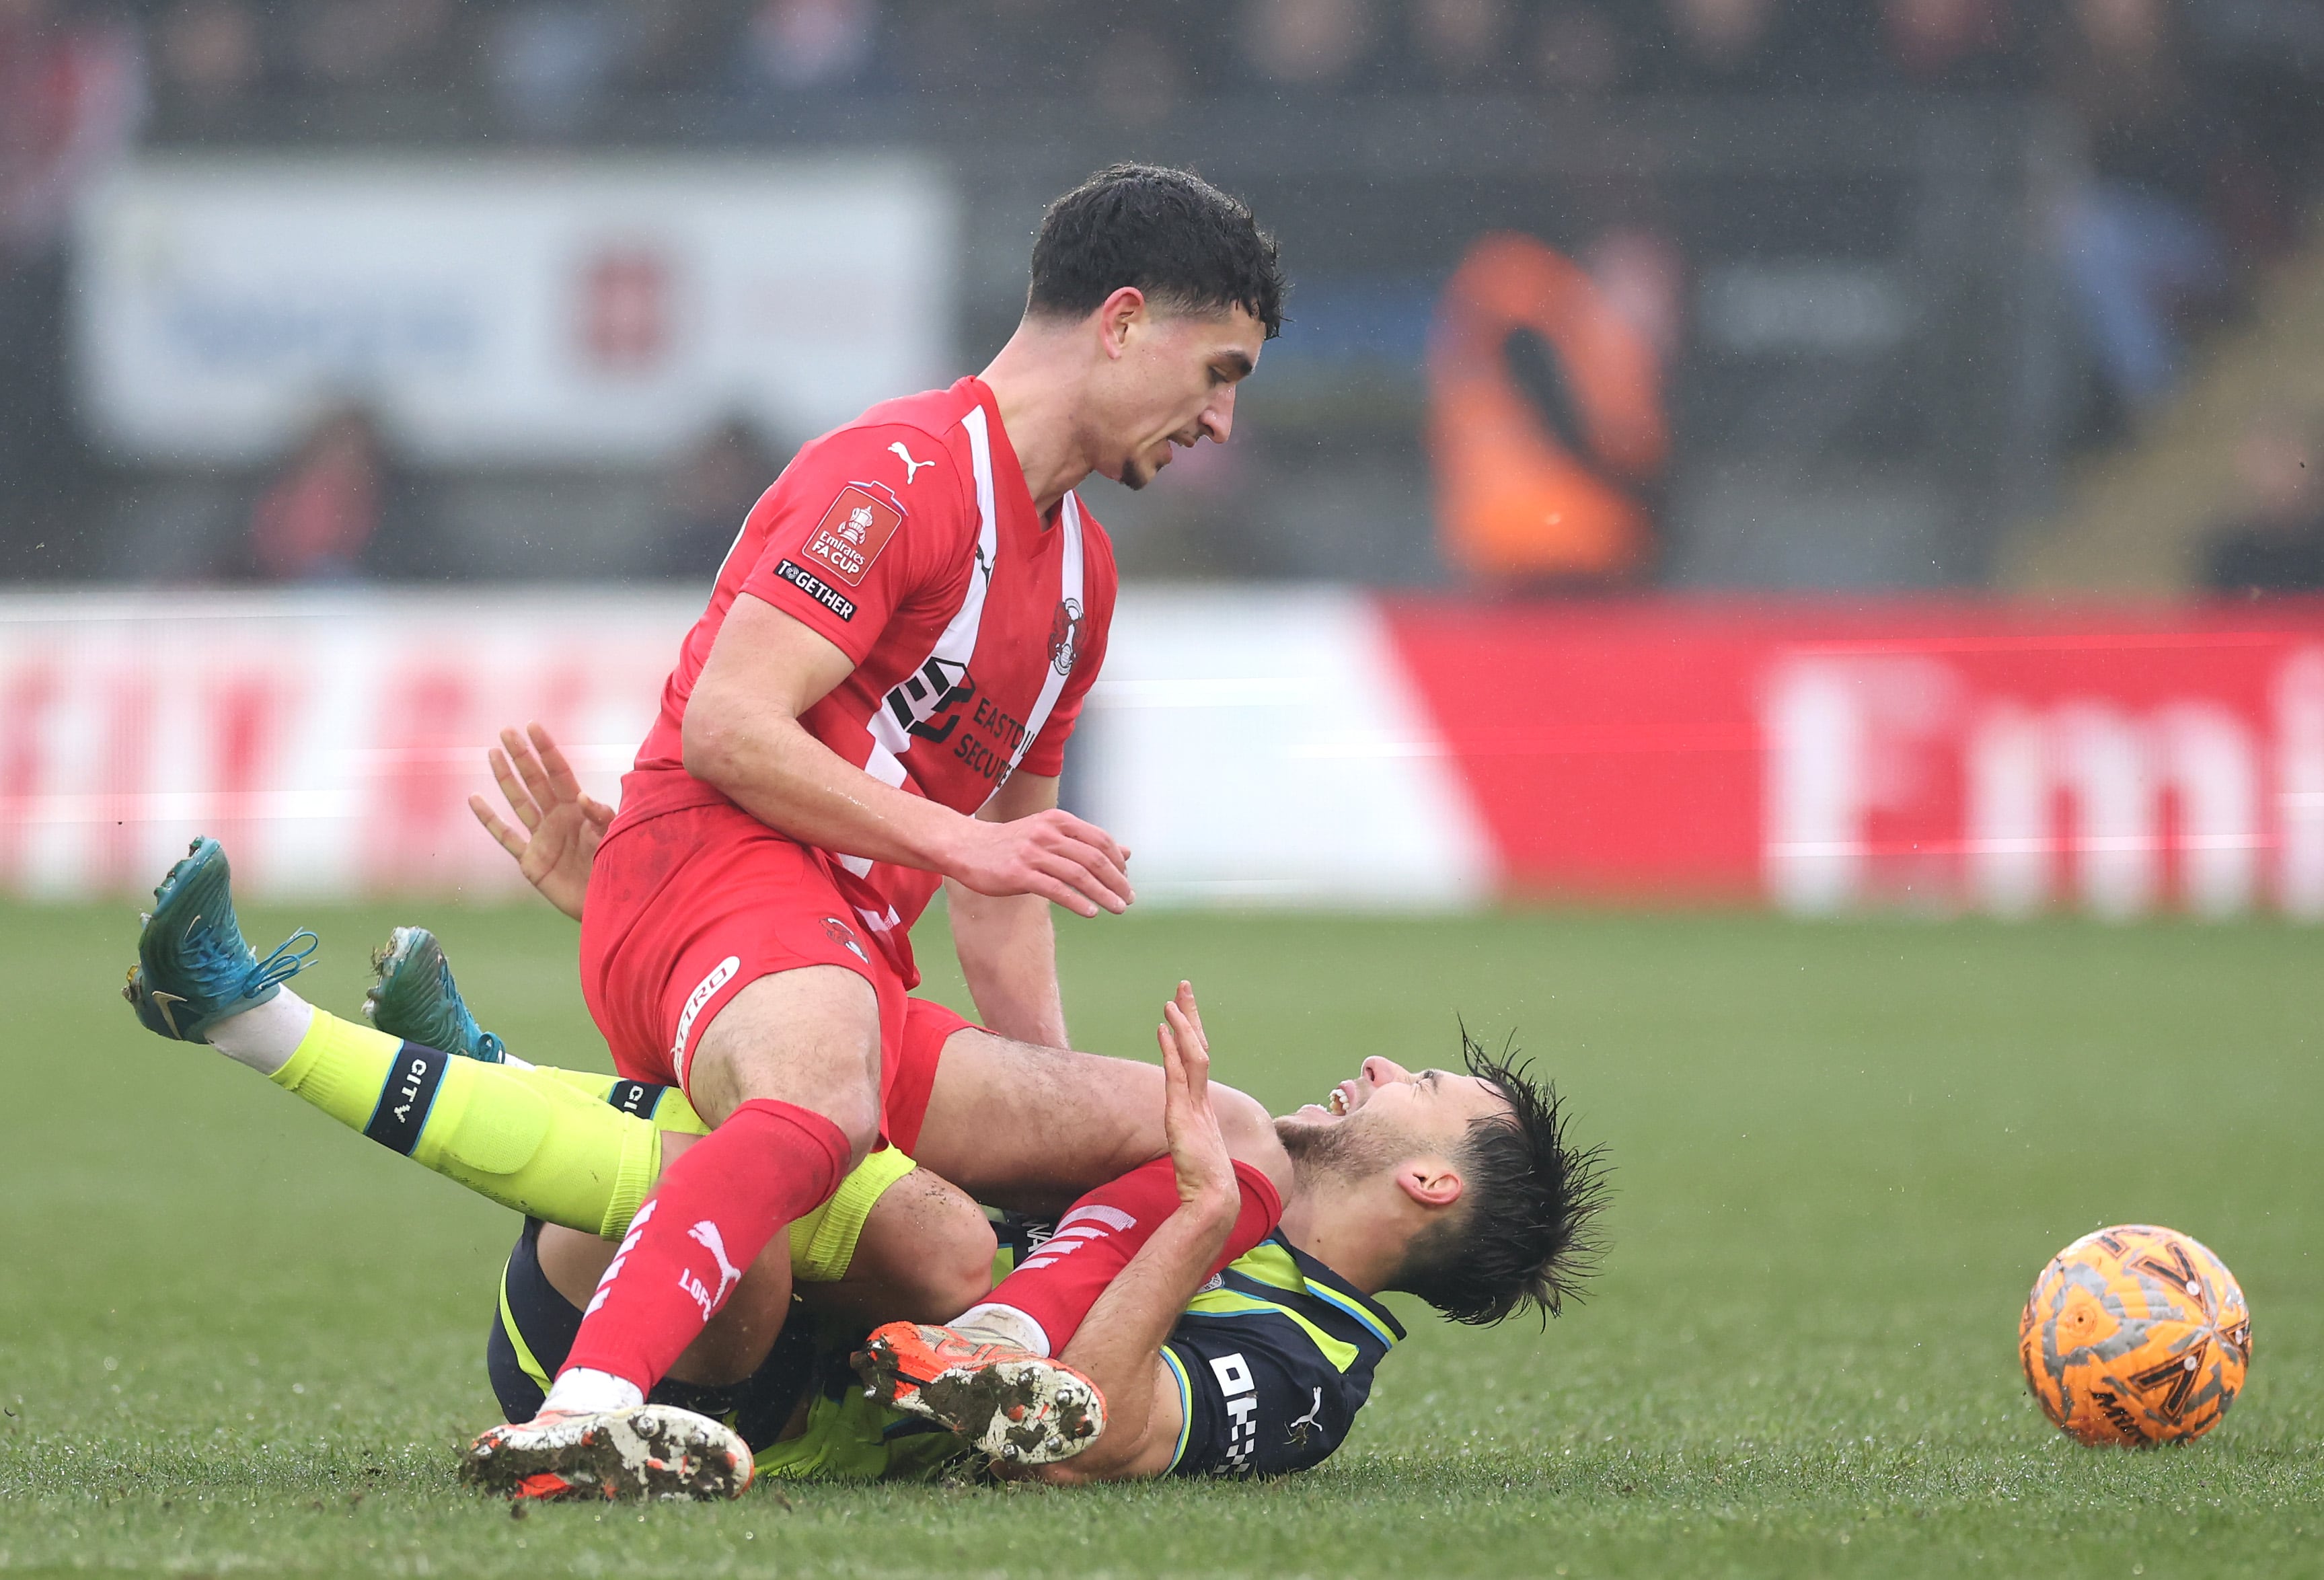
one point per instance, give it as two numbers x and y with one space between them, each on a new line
538 311
332 740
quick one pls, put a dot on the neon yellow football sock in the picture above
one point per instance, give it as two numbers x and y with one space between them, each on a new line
546 1142
571 1147
665 1105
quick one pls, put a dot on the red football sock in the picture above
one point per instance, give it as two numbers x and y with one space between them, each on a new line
1061 1280
712 1212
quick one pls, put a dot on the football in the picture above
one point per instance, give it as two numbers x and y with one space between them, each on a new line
2134 1335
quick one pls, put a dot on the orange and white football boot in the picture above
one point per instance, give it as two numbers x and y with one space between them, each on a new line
1016 1406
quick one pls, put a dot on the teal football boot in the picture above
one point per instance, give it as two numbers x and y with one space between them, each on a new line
416 999
194 968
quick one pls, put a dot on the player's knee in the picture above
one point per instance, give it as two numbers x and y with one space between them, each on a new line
933 1247
925 1253
857 1119
960 1268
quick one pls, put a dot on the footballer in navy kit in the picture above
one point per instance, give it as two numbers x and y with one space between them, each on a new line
1273 1359
1259 1369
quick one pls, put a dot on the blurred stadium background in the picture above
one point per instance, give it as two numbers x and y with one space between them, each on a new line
1823 457
1825 452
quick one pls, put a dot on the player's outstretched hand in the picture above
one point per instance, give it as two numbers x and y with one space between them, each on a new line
563 823
1052 854
1198 1148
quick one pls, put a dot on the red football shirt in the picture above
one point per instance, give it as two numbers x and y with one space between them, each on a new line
909 540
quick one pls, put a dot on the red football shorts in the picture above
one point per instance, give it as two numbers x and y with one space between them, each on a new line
687 908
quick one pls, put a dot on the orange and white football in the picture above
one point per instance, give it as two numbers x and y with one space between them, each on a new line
2135 1334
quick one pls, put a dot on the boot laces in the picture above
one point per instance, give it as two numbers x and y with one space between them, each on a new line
286 962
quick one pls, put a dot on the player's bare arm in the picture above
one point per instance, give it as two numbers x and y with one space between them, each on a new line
742 736
1119 1346
1007 943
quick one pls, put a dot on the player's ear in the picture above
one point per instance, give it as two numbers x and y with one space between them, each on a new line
1115 317
1431 1182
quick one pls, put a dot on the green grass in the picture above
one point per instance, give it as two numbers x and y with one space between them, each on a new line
236 1338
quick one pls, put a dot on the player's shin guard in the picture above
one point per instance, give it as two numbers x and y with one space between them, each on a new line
1057 1284
533 1140
715 1210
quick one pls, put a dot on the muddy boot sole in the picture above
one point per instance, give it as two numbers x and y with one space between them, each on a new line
653 1452
1021 1412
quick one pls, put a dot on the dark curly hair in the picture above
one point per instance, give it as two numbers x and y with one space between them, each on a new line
1525 1233
1169 233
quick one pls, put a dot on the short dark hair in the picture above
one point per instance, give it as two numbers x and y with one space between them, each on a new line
1524 1234
1169 233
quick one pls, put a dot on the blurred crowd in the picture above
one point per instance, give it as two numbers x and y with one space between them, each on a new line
2200 123
547 66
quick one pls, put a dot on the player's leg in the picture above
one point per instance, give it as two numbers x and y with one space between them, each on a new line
519 1136
1034 1129
705 929
788 1037
788 1073
800 1421
529 1139
895 1243
924 1253
1041 1305
579 1150
1049 1130
731 1346
796 1022
1010 1403
197 980
906 1222
417 996
533 1324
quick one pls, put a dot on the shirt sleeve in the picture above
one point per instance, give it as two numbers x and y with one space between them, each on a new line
850 534
1046 756
1253 1406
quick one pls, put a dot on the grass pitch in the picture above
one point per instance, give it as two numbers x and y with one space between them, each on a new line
235 1337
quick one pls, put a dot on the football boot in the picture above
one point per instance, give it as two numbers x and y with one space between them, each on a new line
1018 1407
416 999
649 1451
194 968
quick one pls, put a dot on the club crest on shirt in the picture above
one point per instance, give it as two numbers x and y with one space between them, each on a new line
853 530
844 939
1066 628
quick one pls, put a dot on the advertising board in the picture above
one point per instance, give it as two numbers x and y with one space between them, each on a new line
1311 746
525 311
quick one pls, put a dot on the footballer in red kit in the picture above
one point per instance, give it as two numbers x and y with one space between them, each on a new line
974 626
877 703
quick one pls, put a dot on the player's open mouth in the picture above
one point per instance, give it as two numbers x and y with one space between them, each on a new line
1343 1100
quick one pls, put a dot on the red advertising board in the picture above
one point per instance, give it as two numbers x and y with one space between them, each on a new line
1945 755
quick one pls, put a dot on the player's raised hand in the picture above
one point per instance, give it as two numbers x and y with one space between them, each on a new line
1052 854
563 824
1198 1148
